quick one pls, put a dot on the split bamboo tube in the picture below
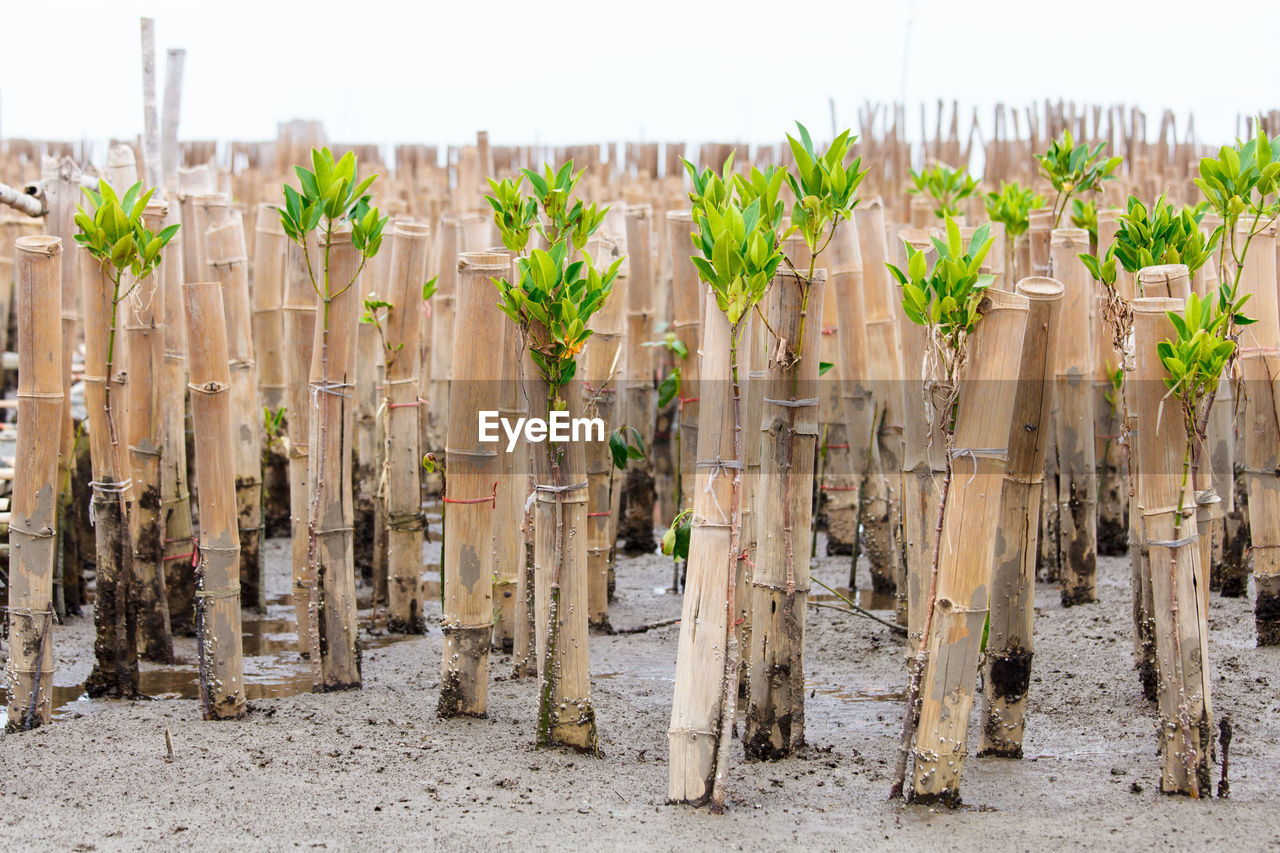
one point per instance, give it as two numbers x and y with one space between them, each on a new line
218 636
706 689
602 370
1167 498
687 293
1013 581
144 342
228 263
410 246
299 310
636 525
115 671
33 506
966 545
1260 367
175 496
1077 470
335 652
784 507
472 473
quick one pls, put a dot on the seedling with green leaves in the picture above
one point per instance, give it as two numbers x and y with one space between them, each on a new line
1084 214
1012 205
945 186
1075 169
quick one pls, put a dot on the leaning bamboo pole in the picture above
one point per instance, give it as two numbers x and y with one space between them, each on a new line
115 671
299 310
1167 498
218 639
1013 583
33 504
228 263
1074 427
635 528
780 582
706 688
472 471
966 546
144 343
410 246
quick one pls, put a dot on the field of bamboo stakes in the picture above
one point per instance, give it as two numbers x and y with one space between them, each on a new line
271 415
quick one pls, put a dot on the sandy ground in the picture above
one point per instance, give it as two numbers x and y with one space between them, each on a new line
377 769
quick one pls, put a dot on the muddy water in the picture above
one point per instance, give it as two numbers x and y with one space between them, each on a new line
867 599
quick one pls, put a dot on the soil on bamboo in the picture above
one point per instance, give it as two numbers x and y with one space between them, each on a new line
153 620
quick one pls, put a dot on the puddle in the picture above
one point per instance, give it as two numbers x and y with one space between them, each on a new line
63 700
855 695
867 599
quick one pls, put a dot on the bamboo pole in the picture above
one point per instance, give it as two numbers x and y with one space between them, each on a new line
853 411
1077 470
706 688
636 525
299 310
514 507
115 670
780 582
1039 258
218 636
472 471
228 262
33 504
1166 496
270 249
150 117
410 246
174 61
1110 448
966 546
144 343
448 243
335 650
754 343
370 366
1013 583
687 293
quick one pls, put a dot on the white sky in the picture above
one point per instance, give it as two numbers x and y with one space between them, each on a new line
571 70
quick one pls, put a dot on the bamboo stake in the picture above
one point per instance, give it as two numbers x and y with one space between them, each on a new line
299 310
966 546
370 365
335 648
636 526
1039 257
33 505
448 247
410 245
150 118
227 260
174 61
472 471
754 343
1166 495
775 711
144 344
218 596
1077 470
270 249
687 299
1113 485
1013 582
514 508
853 414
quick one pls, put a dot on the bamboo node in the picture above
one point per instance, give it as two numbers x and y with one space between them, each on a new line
210 387
805 403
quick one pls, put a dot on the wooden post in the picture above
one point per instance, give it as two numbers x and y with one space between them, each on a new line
299 310
144 343
966 546
636 525
228 263
335 652
218 639
472 473
34 503
1013 582
1167 497
1077 473
410 245
789 432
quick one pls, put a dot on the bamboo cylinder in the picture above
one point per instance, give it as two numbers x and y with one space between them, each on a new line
1109 446
853 410
335 654
410 246
513 558
1167 500
780 582
967 544
218 638
1013 582
269 251
448 247
472 472
115 671
368 449
144 342
1077 468
33 505
636 525
228 263
299 310
687 304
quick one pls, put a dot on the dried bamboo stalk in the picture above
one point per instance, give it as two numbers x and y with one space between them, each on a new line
228 263
1013 583
780 582
447 249
852 414
299 309
410 245
150 117
33 505
472 471
218 636
1110 449
687 304
636 525
174 61
368 449
966 546
270 249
